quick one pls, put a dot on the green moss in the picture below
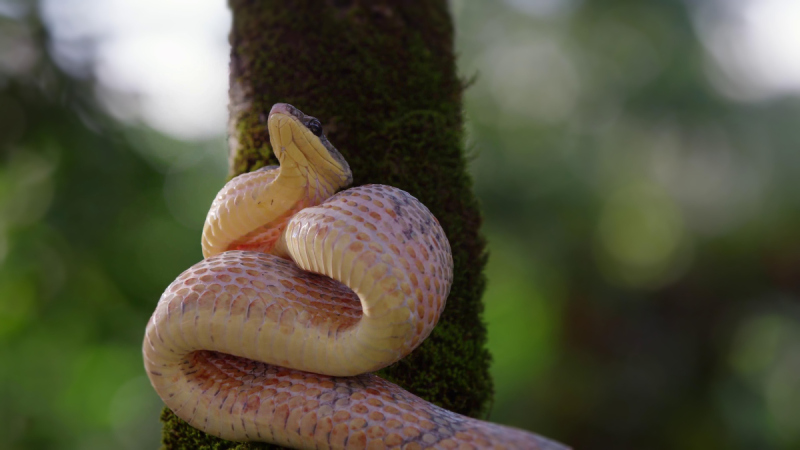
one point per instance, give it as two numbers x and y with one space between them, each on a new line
382 79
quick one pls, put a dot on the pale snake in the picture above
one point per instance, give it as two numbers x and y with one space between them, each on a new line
303 293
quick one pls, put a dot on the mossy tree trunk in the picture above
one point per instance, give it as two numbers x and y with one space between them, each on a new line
381 77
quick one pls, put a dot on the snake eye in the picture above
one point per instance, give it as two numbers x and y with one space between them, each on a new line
315 127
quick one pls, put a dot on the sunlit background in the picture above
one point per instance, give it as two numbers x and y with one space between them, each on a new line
638 164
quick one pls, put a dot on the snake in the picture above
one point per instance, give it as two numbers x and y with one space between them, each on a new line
305 289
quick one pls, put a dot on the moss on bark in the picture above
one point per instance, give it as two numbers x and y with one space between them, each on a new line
381 77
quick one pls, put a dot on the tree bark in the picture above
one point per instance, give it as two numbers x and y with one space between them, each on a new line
381 77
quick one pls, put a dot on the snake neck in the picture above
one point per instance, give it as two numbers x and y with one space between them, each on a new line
298 176
252 210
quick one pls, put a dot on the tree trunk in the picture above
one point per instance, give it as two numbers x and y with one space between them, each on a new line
381 77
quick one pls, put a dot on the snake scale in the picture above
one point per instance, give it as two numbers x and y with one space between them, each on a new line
302 293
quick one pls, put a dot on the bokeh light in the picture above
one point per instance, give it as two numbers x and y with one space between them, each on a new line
753 45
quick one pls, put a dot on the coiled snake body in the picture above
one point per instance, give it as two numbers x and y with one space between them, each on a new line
302 294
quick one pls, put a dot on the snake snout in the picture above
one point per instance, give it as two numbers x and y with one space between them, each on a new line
284 108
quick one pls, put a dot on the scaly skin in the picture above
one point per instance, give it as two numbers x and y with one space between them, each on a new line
298 282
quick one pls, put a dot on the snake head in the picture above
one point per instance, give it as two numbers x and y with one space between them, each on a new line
298 138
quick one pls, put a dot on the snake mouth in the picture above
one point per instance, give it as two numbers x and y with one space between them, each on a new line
298 138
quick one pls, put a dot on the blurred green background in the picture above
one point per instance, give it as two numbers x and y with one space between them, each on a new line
638 163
